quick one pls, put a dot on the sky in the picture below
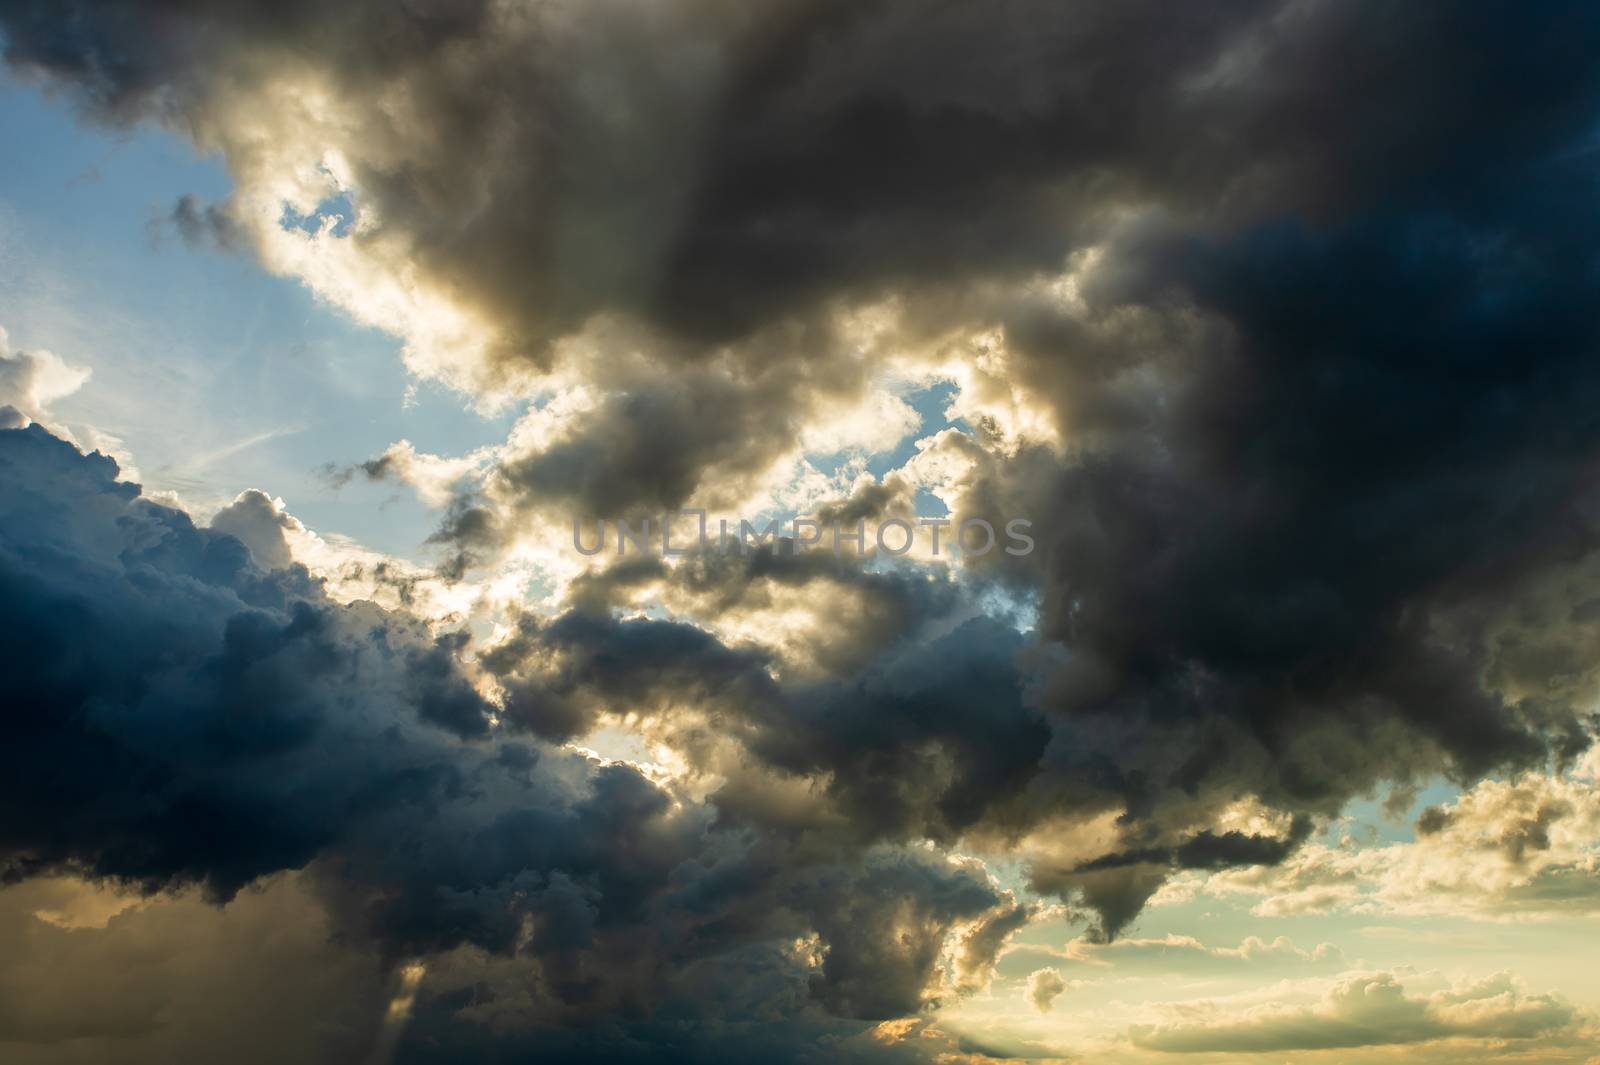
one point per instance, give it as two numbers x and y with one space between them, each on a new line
1259 337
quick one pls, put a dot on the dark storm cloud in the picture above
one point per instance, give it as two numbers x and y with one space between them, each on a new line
585 663
1394 440
1116 886
1325 405
916 721
918 727
647 450
666 432
746 162
1286 571
930 741
881 977
175 714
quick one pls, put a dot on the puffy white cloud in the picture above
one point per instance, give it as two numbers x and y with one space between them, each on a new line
30 381
1044 987
261 523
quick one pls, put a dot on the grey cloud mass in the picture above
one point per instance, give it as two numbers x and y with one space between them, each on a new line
188 718
1298 296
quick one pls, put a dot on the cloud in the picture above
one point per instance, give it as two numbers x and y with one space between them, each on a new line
1294 377
1179 954
171 977
1365 1010
1524 848
432 477
205 225
224 724
983 943
31 381
259 522
1044 987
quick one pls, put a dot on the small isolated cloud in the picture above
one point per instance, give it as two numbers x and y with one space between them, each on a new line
1362 1010
1044 987
206 225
